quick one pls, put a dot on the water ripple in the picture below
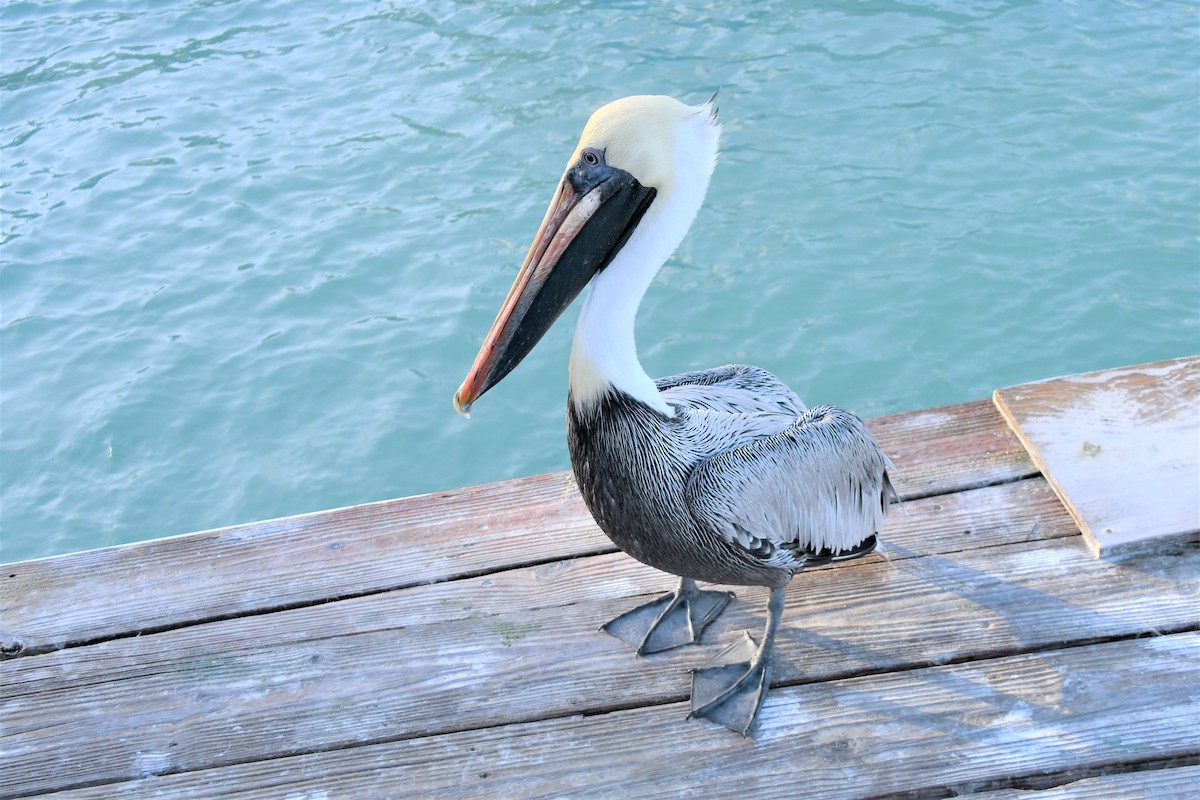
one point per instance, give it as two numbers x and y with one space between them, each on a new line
248 249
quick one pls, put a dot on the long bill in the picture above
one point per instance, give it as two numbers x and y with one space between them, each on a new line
591 216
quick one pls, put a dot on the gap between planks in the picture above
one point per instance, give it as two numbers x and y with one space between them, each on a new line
1034 786
1157 780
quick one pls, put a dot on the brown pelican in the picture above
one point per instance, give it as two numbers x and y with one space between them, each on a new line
721 475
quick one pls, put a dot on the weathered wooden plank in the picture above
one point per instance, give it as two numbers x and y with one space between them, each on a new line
990 517
950 449
1178 783
294 561
933 732
54 603
366 670
1121 447
1013 513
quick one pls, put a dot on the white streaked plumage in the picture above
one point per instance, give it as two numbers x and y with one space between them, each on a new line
771 470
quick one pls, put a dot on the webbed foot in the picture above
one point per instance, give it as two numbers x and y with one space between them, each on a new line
677 618
732 688
731 691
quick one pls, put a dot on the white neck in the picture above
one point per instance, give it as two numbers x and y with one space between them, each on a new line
604 354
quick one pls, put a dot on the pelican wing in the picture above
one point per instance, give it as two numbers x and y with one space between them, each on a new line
737 388
821 484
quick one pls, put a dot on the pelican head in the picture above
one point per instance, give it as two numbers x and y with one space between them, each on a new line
628 194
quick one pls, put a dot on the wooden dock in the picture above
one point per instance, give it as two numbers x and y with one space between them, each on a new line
445 646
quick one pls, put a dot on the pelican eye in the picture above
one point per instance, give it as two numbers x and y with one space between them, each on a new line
592 157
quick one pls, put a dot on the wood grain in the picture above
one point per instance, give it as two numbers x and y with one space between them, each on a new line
933 732
366 670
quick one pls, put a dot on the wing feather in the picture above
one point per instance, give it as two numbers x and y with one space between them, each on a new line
819 484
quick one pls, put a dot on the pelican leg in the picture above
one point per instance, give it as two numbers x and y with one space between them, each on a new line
677 618
732 693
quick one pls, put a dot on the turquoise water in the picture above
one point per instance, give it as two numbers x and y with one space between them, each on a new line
250 249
